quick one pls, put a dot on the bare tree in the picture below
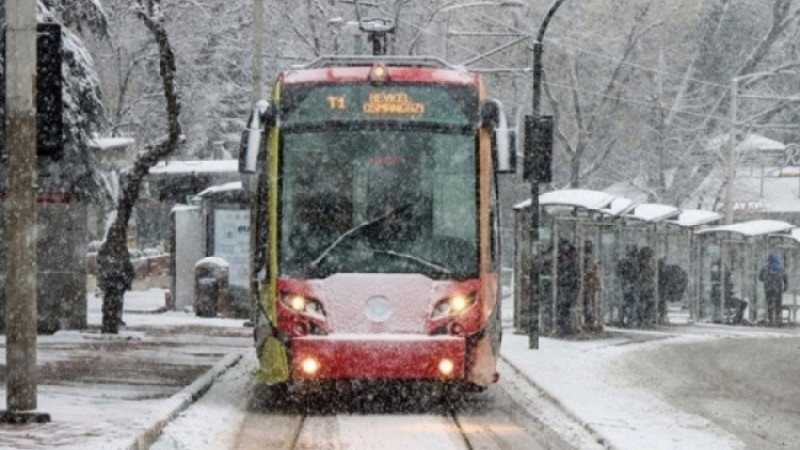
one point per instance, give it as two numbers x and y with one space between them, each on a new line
589 116
115 271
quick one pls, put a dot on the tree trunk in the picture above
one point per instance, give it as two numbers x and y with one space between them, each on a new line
115 271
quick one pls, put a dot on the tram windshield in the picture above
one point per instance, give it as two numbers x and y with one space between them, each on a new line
362 200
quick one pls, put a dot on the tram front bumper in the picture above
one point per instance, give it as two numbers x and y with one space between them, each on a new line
378 356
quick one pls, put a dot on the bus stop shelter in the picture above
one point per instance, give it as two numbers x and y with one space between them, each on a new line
643 242
571 237
685 253
730 259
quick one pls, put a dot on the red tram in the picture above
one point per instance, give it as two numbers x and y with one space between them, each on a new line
375 222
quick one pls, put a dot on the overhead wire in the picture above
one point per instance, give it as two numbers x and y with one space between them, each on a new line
622 99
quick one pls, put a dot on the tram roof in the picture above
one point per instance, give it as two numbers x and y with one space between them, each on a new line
395 73
751 228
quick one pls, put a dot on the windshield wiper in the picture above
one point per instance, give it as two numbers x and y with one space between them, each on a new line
354 230
416 259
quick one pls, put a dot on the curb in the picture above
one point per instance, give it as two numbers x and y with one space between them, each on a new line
600 438
180 401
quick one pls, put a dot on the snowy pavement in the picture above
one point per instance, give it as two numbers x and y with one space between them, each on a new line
614 386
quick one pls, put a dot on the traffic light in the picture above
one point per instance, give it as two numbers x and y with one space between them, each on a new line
49 92
538 149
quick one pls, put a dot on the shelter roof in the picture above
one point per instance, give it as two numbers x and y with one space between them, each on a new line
696 217
188 167
619 206
111 143
751 228
181 207
578 198
219 188
654 212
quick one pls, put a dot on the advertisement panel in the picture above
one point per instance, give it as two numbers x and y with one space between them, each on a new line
232 242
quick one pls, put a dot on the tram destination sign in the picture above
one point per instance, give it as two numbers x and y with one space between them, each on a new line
443 105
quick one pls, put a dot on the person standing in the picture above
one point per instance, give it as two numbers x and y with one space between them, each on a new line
647 287
591 286
567 286
773 276
628 273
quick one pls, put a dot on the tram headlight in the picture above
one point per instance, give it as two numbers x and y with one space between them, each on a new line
309 365
454 305
297 302
300 303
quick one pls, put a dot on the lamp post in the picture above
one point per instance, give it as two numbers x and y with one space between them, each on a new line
538 50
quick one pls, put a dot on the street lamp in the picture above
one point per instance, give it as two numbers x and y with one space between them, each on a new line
537 135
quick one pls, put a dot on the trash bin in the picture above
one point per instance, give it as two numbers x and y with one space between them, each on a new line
211 286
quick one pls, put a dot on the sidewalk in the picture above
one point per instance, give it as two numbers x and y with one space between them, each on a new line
116 391
624 387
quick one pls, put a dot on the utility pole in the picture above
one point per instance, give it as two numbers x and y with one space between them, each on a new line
730 166
258 39
538 51
20 213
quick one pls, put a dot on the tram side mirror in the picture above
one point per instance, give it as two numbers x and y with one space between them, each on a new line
506 157
250 142
493 115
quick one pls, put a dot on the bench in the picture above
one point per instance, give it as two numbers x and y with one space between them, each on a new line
791 317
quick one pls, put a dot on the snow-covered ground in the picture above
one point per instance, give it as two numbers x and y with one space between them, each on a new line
620 387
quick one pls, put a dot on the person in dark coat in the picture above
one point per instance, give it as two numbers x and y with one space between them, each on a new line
647 287
731 302
672 282
628 273
591 286
773 276
567 286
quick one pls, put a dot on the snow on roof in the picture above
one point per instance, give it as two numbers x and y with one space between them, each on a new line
185 208
225 187
620 205
751 228
751 192
577 198
111 142
654 212
212 166
212 260
695 217
751 142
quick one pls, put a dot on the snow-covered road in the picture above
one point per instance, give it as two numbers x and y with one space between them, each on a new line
511 415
